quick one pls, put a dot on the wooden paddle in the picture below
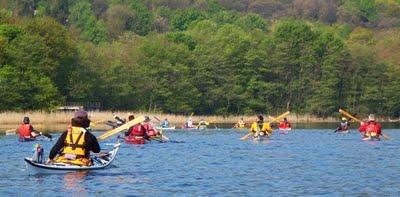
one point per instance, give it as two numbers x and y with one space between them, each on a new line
273 120
358 120
121 128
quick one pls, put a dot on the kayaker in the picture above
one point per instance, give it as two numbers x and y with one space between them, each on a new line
76 143
285 124
189 123
130 117
344 125
202 124
259 126
240 124
370 129
150 130
26 131
136 134
165 124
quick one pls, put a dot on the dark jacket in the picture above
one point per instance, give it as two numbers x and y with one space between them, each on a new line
91 143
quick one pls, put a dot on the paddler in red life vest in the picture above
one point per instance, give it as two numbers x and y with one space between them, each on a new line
76 143
285 124
136 134
344 125
150 130
259 127
370 129
26 131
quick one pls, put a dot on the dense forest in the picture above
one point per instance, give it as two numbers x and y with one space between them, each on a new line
202 56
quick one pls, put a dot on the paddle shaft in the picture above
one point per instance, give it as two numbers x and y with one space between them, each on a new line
121 128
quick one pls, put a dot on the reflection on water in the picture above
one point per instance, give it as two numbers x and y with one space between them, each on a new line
74 183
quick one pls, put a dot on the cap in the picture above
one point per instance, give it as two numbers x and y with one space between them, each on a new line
81 114
344 118
371 117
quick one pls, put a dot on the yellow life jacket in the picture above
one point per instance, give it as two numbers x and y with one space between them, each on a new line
241 124
266 128
74 148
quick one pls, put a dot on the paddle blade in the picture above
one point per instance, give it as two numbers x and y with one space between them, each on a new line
385 136
246 136
121 128
349 115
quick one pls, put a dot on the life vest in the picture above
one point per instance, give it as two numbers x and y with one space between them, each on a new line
74 148
371 129
261 127
24 131
241 124
150 130
136 136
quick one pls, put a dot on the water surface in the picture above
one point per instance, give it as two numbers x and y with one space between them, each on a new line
216 163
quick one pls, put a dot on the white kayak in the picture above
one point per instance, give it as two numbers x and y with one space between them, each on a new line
99 163
166 128
284 130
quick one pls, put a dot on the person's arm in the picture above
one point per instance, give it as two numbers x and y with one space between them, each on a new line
58 146
93 143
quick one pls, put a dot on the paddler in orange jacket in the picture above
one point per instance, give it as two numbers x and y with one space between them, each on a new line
371 128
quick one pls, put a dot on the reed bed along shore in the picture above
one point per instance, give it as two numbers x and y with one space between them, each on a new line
50 121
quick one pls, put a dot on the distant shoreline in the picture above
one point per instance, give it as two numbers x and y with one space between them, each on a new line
59 120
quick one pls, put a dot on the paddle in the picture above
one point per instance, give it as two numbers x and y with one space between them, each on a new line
273 120
121 128
358 120
163 137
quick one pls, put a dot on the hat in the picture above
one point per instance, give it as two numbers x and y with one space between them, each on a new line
146 119
81 114
371 117
344 118
26 120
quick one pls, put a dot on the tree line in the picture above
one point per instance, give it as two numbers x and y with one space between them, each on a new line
196 56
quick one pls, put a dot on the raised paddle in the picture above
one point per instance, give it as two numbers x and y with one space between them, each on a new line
358 120
273 120
121 128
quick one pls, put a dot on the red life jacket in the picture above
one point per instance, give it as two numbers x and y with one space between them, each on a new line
284 125
150 130
24 131
136 136
372 128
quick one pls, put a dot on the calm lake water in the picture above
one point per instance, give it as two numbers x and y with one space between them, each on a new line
216 163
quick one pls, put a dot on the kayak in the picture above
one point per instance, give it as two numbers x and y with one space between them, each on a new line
166 129
99 163
343 132
371 139
284 130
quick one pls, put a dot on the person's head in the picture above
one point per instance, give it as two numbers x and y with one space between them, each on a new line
344 119
146 119
80 119
285 119
241 118
165 119
371 117
131 117
26 120
260 118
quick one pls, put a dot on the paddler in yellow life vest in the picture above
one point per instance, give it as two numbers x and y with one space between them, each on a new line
202 124
260 127
76 143
240 124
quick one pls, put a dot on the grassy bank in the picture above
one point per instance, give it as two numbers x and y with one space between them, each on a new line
58 120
